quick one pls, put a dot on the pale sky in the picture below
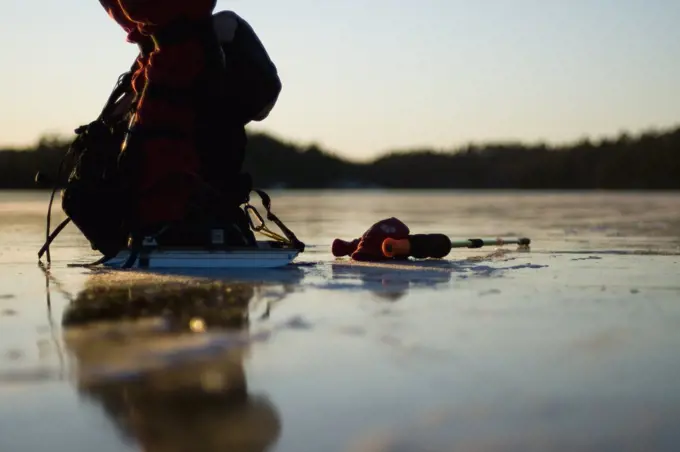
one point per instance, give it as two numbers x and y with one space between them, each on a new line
365 76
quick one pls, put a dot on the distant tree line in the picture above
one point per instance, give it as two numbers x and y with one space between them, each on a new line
649 161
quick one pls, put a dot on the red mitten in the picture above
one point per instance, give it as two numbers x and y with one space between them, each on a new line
341 248
370 244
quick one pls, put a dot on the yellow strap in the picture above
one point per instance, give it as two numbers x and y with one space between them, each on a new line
263 229
273 235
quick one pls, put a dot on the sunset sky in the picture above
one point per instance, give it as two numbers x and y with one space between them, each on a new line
364 77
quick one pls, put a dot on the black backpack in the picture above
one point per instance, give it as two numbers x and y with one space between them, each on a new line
93 197
252 81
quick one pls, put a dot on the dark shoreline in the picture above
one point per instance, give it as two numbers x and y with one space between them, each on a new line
648 161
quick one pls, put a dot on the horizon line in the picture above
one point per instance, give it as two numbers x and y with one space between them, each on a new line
307 144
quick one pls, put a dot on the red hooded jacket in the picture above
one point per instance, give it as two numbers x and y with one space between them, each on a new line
175 66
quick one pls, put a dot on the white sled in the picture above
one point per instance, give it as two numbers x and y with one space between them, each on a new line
266 255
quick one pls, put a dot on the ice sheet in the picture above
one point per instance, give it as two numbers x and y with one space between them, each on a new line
570 346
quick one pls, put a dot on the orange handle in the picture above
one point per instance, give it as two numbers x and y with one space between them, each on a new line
396 247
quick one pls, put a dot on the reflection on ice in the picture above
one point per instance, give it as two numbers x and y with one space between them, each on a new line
163 358
389 282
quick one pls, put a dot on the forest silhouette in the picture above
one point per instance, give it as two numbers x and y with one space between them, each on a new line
647 161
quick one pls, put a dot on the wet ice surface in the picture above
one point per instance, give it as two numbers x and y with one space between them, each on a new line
570 346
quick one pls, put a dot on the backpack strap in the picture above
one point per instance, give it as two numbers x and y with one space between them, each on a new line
50 238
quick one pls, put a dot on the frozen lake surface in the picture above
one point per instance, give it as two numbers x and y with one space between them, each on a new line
571 346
